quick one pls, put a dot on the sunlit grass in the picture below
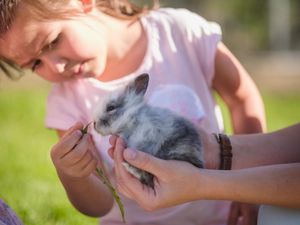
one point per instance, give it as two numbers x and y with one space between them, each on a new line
28 182
282 109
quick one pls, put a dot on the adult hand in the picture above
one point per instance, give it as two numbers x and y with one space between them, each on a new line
211 149
175 182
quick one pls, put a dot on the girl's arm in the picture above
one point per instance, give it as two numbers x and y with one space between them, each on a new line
75 161
236 88
88 195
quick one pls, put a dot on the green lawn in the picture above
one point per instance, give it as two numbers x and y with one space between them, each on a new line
282 109
28 182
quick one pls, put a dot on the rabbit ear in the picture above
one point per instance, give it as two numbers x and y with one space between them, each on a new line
140 84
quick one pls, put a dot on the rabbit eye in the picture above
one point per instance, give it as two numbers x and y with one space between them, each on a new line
110 108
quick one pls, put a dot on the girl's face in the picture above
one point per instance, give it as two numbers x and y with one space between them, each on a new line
57 50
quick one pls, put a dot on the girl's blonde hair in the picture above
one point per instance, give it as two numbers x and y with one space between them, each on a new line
55 9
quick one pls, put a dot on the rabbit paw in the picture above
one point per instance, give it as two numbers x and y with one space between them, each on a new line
134 171
145 177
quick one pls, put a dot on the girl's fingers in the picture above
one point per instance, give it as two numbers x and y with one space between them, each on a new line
113 139
85 166
86 159
74 156
89 167
66 144
93 148
76 126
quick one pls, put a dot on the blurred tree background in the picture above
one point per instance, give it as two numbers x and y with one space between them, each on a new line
250 25
263 34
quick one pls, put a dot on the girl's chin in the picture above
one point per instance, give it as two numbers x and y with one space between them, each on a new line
86 75
98 76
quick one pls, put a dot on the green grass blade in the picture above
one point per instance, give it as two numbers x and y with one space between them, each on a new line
106 181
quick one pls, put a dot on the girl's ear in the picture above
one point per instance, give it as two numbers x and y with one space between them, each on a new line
88 5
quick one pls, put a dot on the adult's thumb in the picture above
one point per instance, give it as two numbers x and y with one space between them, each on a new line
143 161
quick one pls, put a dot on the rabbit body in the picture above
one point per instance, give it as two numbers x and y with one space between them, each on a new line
150 129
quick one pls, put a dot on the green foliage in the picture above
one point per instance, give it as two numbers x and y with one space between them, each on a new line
29 183
282 110
245 23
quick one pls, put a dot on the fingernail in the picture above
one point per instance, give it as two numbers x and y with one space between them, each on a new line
77 124
130 154
78 133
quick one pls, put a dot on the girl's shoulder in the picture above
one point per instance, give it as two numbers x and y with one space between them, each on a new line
183 19
173 15
172 12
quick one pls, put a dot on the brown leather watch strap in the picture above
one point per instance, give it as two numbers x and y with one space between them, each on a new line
225 151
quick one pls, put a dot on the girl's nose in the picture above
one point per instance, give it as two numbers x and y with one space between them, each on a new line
55 63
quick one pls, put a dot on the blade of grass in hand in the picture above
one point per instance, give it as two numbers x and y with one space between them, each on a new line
85 129
106 182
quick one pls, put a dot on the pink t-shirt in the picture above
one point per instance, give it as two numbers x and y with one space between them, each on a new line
180 61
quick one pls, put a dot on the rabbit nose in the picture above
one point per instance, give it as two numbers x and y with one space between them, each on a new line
104 122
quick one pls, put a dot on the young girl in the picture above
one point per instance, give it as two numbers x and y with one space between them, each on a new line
89 49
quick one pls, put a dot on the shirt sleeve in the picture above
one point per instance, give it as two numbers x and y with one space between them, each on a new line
61 110
202 37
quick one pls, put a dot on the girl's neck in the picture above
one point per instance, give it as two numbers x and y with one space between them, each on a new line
129 51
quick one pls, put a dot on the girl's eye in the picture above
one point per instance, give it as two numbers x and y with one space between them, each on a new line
35 64
53 43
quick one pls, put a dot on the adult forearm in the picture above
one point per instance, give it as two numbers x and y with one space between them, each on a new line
88 195
253 150
276 185
265 149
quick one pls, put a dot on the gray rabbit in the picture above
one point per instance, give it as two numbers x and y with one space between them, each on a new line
150 129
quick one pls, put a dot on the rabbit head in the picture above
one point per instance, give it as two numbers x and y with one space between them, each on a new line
119 110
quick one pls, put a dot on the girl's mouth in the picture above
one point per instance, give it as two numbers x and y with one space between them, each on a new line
79 70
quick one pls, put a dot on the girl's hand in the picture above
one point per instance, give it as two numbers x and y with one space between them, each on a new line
175 181
74 154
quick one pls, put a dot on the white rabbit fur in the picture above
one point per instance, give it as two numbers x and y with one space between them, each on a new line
150 129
